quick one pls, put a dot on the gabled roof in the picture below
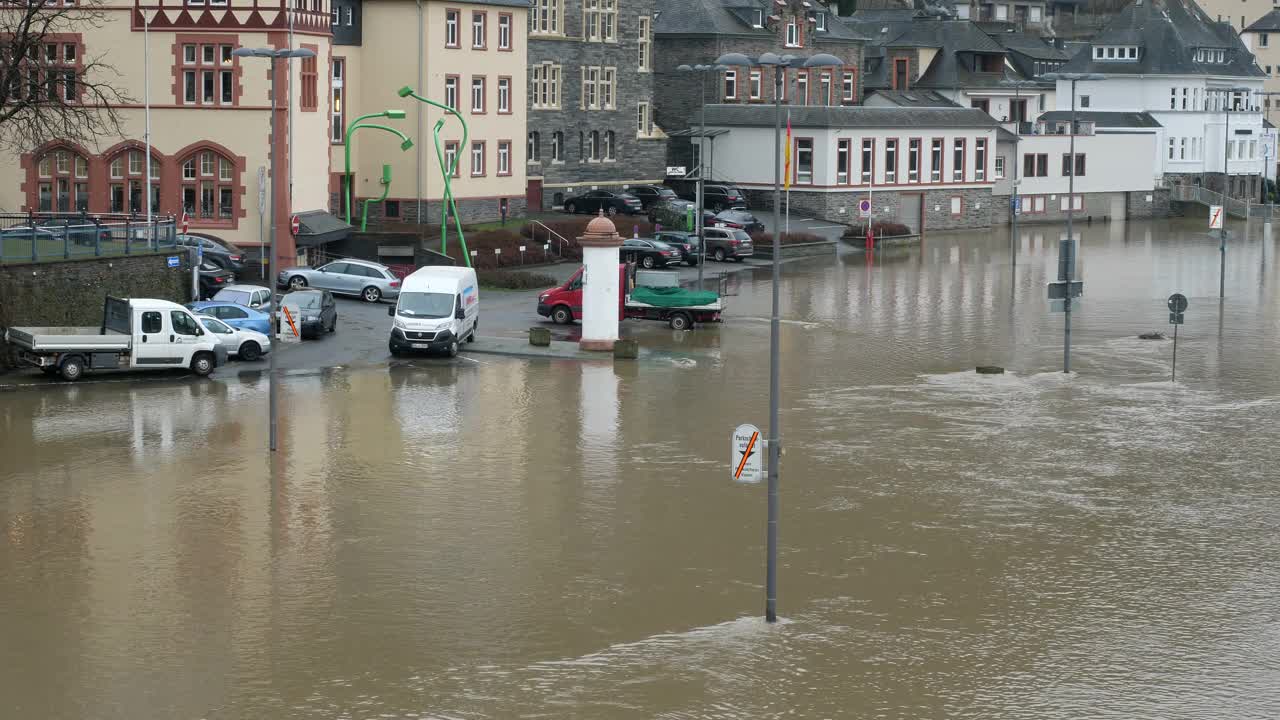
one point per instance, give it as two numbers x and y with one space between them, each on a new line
1167 33
914 98
1030 45
1267 23
830 116
733 17
1104 119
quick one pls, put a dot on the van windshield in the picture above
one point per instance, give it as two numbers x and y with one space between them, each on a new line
425 305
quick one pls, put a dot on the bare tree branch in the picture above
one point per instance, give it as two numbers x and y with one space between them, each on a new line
47 91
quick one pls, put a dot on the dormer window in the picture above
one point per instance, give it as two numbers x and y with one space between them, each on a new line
1211 56
820 21
757 18
1115 53
793 33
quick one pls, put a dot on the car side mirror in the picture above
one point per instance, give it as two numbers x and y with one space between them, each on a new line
391 311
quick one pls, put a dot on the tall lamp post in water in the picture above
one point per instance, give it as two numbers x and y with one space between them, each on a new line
702 70
273 55
1226 178
779 65
1014 209
1067 248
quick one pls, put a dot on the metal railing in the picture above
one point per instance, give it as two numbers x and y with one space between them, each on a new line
36 237
549 235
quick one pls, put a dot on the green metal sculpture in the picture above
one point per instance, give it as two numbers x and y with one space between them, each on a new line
449 205
355 125
386 188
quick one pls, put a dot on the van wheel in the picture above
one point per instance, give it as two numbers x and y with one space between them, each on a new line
250 351
453 349
297 282
71 369
681 321
202 364
371 294
562 315
720 255
471 336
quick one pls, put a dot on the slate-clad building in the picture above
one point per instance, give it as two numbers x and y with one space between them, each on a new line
692 32
591 83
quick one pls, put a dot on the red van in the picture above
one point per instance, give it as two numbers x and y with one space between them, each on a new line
563 304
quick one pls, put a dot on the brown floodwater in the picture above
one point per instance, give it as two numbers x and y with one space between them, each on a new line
497 538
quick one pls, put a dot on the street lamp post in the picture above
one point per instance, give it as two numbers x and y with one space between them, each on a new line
779 65
702 70
1014 207
1226 178
273 55
1067 248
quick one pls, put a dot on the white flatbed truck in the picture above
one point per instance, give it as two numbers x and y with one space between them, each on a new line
136 334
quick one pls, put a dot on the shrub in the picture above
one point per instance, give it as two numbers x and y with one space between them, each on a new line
795 238
880 229
511 280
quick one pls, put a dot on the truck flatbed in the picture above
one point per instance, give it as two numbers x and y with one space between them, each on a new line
61 339
716 306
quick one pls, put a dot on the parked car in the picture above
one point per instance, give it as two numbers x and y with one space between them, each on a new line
678 214
738 220
317 311
727 244
248 345
219 253
610 202
717 196
364 279
649 253
650 194
23 232
250 296
237 316
686 242
213 278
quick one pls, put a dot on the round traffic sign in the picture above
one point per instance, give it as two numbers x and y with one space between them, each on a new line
295 225
1177 303
864 205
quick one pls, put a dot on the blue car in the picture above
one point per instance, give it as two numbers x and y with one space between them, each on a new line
237 316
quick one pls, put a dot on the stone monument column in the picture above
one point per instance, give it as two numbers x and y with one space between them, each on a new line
601 286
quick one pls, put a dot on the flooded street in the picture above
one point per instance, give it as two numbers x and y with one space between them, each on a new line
498 538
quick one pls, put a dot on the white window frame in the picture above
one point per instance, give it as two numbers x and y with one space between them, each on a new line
478 93
999 167
730 80
479 30
545 17
645 33
504 95
755 85
504 32
452 19
644 120
793 33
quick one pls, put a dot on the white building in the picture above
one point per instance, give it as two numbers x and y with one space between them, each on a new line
928 168
1114 176
1169 59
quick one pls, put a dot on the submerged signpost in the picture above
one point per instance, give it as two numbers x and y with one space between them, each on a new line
1177 306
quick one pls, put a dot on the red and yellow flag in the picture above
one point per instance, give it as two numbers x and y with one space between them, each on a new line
786 154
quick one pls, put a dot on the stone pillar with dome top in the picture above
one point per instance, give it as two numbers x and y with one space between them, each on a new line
601 284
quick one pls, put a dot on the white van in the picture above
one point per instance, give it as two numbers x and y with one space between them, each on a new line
438 308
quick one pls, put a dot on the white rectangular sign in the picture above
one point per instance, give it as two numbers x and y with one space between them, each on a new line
1215 217
746 448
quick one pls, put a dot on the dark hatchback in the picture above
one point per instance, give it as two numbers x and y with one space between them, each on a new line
685 242
213 278
648 253
650 194
738 220
610 202
319 313
219 253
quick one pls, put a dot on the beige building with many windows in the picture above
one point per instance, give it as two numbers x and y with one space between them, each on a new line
210 118
1263 40
471 56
